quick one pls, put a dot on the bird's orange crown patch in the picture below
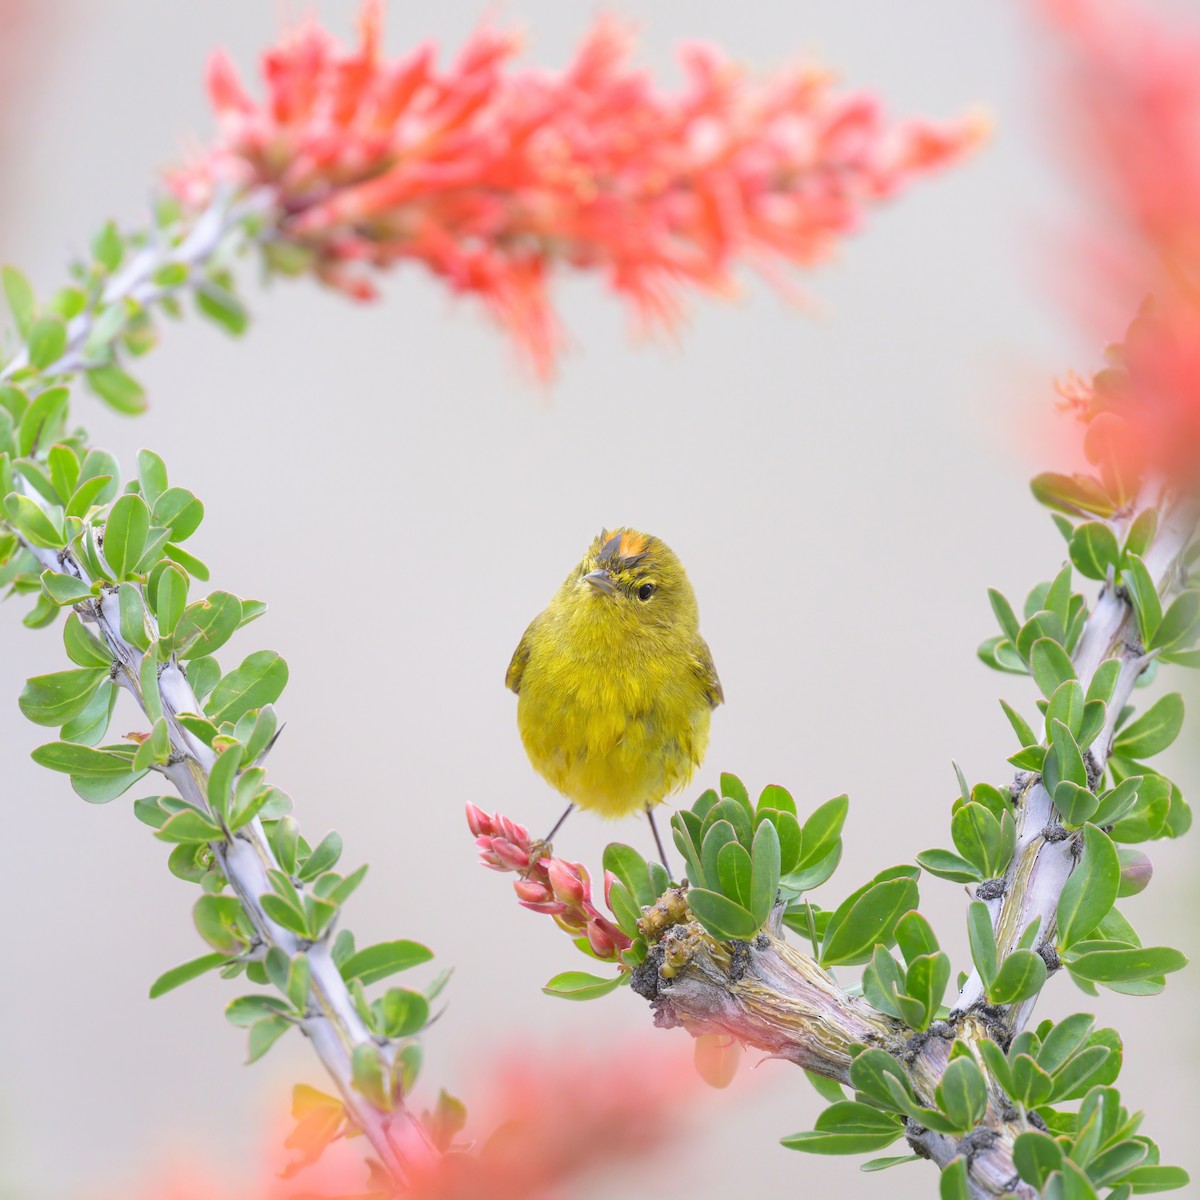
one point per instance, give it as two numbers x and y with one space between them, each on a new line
623 549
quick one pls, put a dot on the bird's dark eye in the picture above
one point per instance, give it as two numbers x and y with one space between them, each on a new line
645 591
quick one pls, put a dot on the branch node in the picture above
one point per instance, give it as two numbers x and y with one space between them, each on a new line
977 1141
1050 957
992 889
1055 833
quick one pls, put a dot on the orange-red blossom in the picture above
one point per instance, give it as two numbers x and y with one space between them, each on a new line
490 177
1130 92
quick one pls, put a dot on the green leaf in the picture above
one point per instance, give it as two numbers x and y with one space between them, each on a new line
1094 549
915 936
723 918
1036 1156
125 534
1033 1084
132 616
1157 1179
1153 731
170 597
91 725
1050 665
108 247
962 1093
977 836
265 1033
185 973
100 789
118 389
383 959
1009 625
34 523
83 647
207 625
1143 595
55 699
258 681
869 1072
221 777
847 1127
1104 682
945 864
189 562
822 831
152 476
222 307
954 1184
1117 802
404 1013
1091 891
1121 964
579 985
179 511
65 589
20 297
631 869
766 857
1179 625
87 494
1021 976
983 942
773 796
733 872
323 856
859 924
1001 655
189 826
1071 494
47 341
1075 804
156 749
245 1010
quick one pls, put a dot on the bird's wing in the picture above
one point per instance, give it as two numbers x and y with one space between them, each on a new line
516 668
708 674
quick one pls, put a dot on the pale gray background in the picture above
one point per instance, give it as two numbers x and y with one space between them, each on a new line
842 488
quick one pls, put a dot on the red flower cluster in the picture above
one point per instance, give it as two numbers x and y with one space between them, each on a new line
539 1125
1132 94
547 885
490 177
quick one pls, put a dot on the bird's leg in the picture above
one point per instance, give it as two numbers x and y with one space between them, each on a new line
662 854
542 848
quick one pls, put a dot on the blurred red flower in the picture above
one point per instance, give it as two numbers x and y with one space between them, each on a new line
1130 94
491 177
543 1123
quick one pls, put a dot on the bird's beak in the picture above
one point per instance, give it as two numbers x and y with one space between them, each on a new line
601 582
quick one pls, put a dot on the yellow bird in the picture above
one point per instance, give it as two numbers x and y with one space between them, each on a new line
615 686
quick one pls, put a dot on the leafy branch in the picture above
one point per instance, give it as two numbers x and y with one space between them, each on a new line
270 901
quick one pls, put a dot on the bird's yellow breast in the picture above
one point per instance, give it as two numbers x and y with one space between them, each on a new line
613 726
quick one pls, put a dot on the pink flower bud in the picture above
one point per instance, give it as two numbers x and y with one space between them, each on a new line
609 880
565 879
601 944
554 908
513 857
478 820
531 891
